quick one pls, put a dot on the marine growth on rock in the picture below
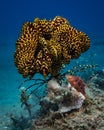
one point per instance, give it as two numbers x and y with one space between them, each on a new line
63 98
44 46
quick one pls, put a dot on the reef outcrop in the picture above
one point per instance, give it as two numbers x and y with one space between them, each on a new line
64 98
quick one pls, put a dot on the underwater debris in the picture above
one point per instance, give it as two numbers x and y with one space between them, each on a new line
44 46
65 98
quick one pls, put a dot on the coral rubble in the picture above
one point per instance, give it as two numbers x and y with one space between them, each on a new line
44 46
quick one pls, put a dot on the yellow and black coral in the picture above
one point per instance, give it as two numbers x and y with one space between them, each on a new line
45 45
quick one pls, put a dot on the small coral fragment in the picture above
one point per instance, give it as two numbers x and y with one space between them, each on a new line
44 46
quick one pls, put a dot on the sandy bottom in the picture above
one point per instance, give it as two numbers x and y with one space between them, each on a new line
9 96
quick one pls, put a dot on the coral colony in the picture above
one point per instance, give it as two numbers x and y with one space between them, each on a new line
44 47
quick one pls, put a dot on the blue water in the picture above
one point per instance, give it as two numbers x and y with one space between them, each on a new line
87 16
